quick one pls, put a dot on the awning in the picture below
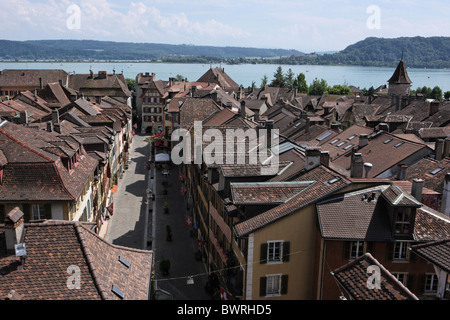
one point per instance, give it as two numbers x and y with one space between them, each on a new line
162 157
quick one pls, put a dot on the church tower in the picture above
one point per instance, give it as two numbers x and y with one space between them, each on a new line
400 83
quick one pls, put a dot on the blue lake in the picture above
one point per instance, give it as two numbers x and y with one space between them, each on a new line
245 74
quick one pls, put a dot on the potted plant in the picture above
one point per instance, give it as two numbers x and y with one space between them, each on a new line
164 266
166 207
168 233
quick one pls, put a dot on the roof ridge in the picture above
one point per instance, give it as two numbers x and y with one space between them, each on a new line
24 145
90 264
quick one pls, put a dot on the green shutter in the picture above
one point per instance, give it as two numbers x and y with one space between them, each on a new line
48 211
263 256
284 284
262 286
286 251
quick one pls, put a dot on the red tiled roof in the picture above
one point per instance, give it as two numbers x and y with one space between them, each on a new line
53 247
354 278
34 169
437 253
324 183
266 192
354 216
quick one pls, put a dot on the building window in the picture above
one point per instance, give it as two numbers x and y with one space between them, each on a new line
400 250
356 249
401 277
431 283
274 251
38 212
273 285
403 220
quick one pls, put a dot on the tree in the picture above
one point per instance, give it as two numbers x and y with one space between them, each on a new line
264 81
179 77
131 84
278 78
318 87
339 89
436 93
289 79
300 83
447 95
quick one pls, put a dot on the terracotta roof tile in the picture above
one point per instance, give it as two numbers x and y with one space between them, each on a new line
54 246
354 278
436 252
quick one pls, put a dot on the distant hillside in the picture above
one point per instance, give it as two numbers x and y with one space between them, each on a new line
418 52
108 50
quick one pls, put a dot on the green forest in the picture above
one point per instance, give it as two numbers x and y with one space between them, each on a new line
417 52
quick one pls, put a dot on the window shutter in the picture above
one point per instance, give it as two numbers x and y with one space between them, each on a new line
262 286
390 251
48 211
263 258
26 208
284 284
410 282
346 250
412 255
286 251
369 247
422 280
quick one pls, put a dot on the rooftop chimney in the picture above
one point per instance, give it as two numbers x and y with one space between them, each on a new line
367 168
242 110
439 149
356 166
363 140
13 229
401 174
445 202
416 189
325 158
313 156
55 116
307 125
446 152
50 126
40 83
434 107
23 117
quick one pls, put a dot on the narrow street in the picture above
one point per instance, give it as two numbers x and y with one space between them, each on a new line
127 225
141 225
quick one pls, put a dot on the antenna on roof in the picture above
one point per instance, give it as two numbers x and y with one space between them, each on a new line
402 55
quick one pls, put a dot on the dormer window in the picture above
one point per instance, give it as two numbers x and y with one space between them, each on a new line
402 220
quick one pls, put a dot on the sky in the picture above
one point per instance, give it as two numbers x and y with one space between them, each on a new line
307 26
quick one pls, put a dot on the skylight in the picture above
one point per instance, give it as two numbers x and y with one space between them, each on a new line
398 144
334 180
348 147
352 137
341 144
334 141
436 170
125 262
387 141
324 136
118 292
